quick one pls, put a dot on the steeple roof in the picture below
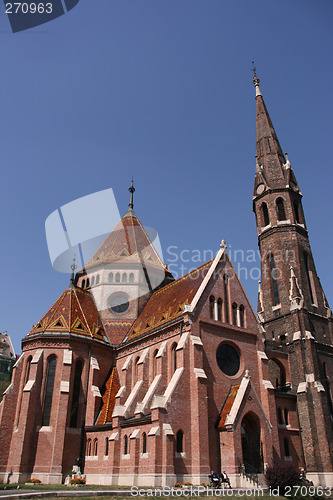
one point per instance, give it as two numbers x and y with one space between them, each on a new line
270 158
73 312
127 243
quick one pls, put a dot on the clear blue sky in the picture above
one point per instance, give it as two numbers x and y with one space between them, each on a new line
161 90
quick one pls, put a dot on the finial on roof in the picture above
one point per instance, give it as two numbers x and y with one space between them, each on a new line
223 244
73 267
287 164
256 80
131 190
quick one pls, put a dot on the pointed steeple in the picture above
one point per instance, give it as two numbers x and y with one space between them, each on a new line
130 210
269 153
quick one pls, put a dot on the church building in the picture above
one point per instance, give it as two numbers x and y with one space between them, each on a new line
141 379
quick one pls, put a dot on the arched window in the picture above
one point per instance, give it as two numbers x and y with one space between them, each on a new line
226 298
117 277
265 214
110 278
88 283
97 279
83 284
296 211
242 315
286 448
286 416
173 357
281 213
92 280
124 278
155 363
131 278
48 391
106 446
277 373
234 313
211 306
27 369
144 443
280 418
180 442
76 394
88 449
274 283
95 447
125 445
219 309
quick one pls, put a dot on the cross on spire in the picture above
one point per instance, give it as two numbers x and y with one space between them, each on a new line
131 190
73 267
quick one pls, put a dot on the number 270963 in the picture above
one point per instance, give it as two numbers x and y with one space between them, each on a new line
25 8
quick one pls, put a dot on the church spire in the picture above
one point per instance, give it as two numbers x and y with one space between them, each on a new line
268 150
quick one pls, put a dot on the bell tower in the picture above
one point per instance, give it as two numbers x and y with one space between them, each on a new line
292 307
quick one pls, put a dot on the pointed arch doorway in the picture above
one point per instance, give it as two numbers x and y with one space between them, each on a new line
251 443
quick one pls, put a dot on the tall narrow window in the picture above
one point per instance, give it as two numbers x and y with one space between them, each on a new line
117 277
83 284
144 443
110 279
280 418
274 282
95 447
92 280
211 306
155 363
124 278
27 369
125 445
88 450
106 446
281 213
136 368
173 358
241 316
296 212
219 309
131 278
226 298
265 214
88 283
48 392
180 442
97 279
76 394
234 313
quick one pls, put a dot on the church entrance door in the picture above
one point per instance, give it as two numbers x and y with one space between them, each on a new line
251 445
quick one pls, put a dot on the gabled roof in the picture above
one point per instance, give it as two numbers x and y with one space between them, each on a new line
167 303
127 243
228 404
112 386
73 312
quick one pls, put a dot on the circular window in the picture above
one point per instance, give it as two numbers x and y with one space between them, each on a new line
119 303
228 359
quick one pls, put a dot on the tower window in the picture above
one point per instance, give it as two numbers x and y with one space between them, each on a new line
48 394
286 448
97 279
309 277
280 418
155 363
286 416
296 212
274 282
131 278
265 214
110 278
173 358
95 446
124 278
117 277
93 281
83 284
88 283
88 450
281 213
106 446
